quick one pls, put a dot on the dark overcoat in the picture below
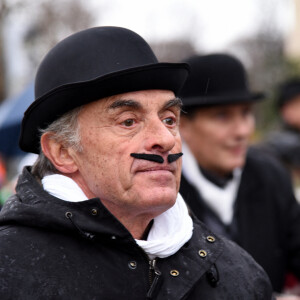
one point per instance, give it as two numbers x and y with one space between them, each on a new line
54 249
266 219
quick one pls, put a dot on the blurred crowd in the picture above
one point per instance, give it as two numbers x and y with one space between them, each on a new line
284 143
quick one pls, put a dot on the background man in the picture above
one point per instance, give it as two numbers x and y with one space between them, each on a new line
284 142
241 194
109 123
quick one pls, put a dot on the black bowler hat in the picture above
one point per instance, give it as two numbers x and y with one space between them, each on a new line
90 65
216 79
288 91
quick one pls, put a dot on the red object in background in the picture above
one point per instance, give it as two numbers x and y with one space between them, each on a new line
290 281
2 172
292 285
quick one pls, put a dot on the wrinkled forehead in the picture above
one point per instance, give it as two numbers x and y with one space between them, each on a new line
139 98
155 99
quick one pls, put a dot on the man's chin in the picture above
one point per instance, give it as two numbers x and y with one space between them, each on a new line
160 197
239 163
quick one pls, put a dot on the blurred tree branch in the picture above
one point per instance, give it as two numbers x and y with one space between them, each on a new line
56 20
5 8
47 22
267 66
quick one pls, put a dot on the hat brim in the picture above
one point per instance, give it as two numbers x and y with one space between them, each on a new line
204 101
49 107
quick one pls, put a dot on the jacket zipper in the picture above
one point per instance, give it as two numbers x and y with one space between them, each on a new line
154 275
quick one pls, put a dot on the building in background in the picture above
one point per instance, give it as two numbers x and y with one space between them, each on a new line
292 43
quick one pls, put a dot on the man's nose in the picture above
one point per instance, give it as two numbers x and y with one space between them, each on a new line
159 137
243 128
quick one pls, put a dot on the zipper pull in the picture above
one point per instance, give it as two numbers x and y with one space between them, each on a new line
154 282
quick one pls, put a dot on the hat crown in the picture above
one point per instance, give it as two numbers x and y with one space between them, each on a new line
215 75
89 54
288 90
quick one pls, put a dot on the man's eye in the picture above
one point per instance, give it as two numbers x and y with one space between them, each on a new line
247 112
221 116
128 122
169 121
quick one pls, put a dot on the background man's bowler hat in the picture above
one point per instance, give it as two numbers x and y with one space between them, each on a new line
216 79
90 65
288 91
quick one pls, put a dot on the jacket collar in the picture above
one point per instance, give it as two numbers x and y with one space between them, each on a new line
32 206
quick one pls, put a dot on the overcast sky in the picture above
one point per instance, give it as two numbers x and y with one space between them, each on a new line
212 24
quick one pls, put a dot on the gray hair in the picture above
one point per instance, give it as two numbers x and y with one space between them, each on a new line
66 132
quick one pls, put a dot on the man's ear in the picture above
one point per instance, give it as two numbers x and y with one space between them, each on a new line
60 156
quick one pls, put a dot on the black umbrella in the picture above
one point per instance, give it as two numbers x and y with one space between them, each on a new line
11 115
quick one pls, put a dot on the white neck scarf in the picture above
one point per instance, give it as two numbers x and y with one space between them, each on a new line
169 232
63 187
220 200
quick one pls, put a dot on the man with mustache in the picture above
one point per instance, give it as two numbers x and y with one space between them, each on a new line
98 216
238 192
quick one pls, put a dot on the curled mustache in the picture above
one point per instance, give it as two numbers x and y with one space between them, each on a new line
156 158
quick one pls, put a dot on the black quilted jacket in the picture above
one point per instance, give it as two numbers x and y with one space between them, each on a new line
53 249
